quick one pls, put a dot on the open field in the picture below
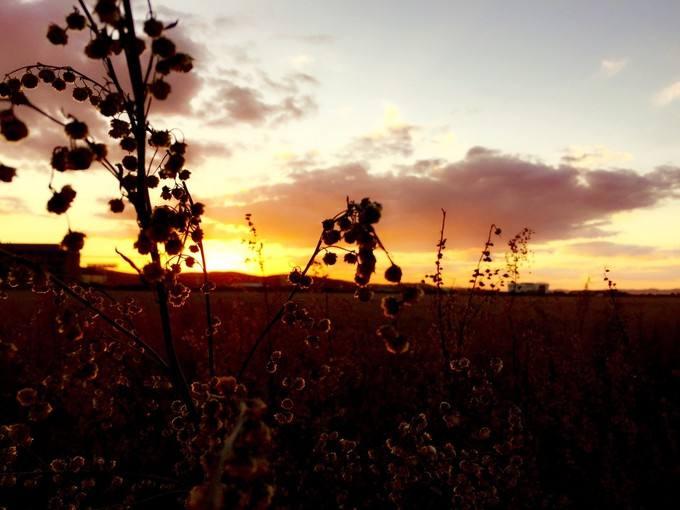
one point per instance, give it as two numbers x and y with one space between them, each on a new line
583 414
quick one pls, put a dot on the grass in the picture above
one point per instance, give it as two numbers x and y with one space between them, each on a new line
599 420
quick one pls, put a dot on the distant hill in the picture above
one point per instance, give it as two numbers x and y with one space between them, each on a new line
222 280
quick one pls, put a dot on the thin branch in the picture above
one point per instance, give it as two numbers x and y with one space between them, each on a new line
438 284
129 261
108 64
206 294
74 295
278 314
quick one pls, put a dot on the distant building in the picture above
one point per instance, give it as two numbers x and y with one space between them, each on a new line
528 288
60 263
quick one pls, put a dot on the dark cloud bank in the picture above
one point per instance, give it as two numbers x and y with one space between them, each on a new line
485 187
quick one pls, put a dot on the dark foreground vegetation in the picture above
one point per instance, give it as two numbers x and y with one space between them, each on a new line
189 398
555 402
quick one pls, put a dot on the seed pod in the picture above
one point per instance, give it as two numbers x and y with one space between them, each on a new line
7 173
160 89
58 84
330 258
46 75
81 93
73 241
75 21
76 130
128 144
29 80
11 127
130 162
393 274
153 27
116 205
163 47
57 35
80 158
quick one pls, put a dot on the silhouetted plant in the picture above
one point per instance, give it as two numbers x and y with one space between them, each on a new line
166 228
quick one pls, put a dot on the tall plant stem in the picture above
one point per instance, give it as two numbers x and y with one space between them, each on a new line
206 299
143 201
462 326
277 317
439 283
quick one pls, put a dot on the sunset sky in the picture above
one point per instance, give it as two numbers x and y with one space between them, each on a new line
562 116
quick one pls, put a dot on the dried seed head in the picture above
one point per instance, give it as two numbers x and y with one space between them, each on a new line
57 35
393 274
73 241
76 130
108 11
46 75
178 148
80 158
128 144
330 258
160 89
153 27
397 345
153 272
160 139
163 47
130 162
117 205
363 294
11 127
390 306
99 150
100 47
75 21
81 93
27 397
58 84
61 201
7 173
181 63
331 237
350 258
29 80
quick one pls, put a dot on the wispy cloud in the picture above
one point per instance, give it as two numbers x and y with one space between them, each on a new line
613 66
668 94
236 100
592 156
301 61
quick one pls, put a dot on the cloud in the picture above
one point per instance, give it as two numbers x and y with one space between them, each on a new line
301 61
13 205
609 249
393 141
313 39
485 187
241 99
612 67
668 94
593 156
200 151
